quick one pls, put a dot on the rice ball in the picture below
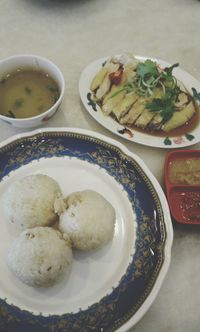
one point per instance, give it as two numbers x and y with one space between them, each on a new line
39 256
88 220
29 202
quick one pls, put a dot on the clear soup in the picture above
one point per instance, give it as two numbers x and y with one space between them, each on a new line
25 93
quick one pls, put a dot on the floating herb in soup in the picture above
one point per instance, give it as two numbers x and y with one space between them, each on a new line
25 93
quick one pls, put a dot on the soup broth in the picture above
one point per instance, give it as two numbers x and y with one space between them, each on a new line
26 93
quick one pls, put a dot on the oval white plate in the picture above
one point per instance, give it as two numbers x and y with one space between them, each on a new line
189 82
108 289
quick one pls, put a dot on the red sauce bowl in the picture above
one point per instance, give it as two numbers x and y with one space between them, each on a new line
183 188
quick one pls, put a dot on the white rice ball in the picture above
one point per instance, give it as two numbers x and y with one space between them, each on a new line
29 202
39 256
88 221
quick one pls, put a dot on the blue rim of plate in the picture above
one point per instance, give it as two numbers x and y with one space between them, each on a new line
116 308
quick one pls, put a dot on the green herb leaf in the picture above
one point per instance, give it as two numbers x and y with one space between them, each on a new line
172 93
147 69
52 88
18 103
155 105
11 114
164 107
55 98
169 70
167 112
27 90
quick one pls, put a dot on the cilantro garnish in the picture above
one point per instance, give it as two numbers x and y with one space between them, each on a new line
10 114
164 107
169 70
148 76
18 103
147 69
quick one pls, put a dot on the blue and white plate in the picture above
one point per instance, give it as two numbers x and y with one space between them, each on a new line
108 289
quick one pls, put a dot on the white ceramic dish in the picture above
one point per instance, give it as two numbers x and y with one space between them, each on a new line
36 62
132 135
108 289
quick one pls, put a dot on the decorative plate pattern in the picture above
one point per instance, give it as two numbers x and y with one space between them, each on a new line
187 139
137 288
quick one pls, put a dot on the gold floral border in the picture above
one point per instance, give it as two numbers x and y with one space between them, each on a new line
100 155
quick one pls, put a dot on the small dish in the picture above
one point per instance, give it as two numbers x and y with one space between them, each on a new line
22 62
182 182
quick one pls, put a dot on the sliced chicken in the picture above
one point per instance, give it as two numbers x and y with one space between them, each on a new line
114 90
111 66
182 99
144 119
98 79
108 67
156 122
110 103
179 118
123 107
109 88
104 88
134 112
105 85
129 71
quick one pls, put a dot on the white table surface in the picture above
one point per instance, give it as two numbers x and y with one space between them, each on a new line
73 33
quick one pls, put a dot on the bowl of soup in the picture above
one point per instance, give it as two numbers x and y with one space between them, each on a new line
31 90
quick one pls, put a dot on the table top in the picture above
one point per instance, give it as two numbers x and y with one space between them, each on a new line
73 33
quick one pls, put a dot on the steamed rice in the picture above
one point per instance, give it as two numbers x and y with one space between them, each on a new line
29 202
39 256
88 220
